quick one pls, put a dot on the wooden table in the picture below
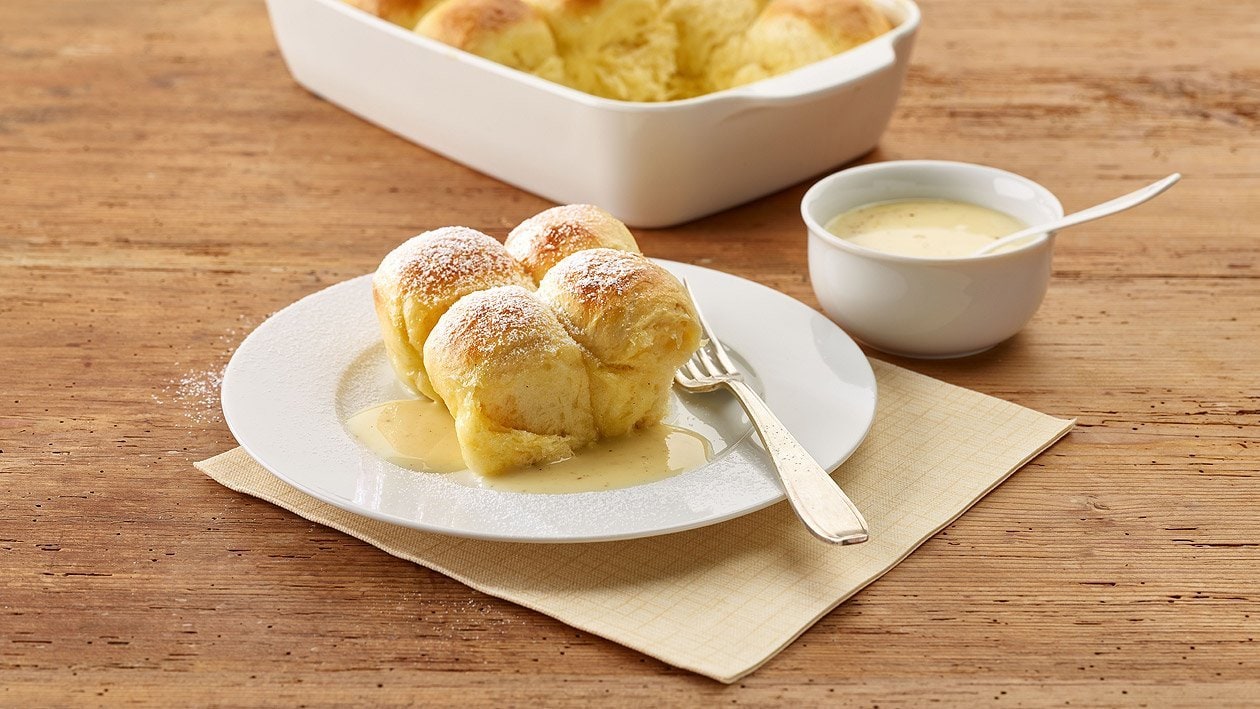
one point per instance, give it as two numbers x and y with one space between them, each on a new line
164 186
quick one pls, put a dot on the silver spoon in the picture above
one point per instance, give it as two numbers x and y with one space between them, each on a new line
1106 209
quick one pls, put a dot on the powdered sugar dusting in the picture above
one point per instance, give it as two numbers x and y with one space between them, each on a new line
497 321
197 395
600 274
445 259
195 392
545 239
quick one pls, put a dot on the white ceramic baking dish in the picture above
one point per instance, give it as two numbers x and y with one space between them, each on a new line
651 164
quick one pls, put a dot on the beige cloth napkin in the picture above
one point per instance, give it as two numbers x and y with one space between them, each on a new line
724 599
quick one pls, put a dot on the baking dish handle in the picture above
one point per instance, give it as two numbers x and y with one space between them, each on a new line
858 63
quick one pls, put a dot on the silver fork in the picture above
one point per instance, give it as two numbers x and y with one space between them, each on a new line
816 498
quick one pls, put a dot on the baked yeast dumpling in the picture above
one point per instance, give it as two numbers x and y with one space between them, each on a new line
424 276
510 32
405 13
704 27
789 34
546 238
618 49
636 324
512 377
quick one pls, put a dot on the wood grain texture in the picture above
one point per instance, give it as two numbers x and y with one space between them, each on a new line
164 186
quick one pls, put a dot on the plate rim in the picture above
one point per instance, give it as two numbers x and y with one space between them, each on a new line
324 496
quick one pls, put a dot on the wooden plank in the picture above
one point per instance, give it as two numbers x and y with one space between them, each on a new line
165 186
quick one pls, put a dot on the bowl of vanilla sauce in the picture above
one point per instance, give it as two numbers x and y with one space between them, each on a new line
891 254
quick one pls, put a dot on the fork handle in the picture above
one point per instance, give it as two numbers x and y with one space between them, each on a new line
820 503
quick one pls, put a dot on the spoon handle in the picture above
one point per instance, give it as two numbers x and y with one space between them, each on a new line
1119 204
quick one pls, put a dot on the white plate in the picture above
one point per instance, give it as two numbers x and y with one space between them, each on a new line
293 382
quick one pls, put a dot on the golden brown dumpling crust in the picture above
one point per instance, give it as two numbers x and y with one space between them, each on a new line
845 23
546 238
510 32
405 13
419 280
643 50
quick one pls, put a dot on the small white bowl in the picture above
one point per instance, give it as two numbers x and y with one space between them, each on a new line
921 307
